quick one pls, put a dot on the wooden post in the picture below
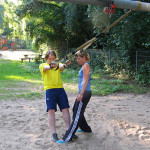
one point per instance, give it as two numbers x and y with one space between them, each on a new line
136 63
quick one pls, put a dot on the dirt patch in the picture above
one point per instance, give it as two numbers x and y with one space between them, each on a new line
119 122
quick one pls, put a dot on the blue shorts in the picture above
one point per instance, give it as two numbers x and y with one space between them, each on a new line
56 96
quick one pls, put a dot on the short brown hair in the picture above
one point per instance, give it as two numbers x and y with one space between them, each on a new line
50 52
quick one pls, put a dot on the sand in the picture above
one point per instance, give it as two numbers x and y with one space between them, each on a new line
118 121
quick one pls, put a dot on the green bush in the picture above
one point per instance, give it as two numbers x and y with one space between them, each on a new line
143 75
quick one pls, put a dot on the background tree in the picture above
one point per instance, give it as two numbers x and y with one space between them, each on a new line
127 37
49 24
53 22
1 17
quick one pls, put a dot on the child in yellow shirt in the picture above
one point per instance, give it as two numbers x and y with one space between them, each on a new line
55 93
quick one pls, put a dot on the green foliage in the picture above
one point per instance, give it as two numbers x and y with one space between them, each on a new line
78 26
98 18
1 16
130 35
8 19
53 23
98 59
44 24
143 75
12 26
7 31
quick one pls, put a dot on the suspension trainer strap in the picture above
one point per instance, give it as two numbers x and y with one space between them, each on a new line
122 17
84 46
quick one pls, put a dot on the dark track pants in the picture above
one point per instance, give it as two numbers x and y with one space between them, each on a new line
78 117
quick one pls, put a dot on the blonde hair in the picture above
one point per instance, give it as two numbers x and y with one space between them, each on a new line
84 53
88 57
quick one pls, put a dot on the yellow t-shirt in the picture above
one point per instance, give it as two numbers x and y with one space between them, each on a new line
51 78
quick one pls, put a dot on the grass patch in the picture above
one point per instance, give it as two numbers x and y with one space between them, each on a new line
102 86
70 80
30 95
18 71
20 95
17 80
70 76
12 90
23 80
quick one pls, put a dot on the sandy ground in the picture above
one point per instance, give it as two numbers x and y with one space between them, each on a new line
119 122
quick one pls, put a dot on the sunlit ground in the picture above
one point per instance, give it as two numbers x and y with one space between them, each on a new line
15 1
15 55
23 79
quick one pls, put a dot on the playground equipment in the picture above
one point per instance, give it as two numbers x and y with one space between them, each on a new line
123 4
